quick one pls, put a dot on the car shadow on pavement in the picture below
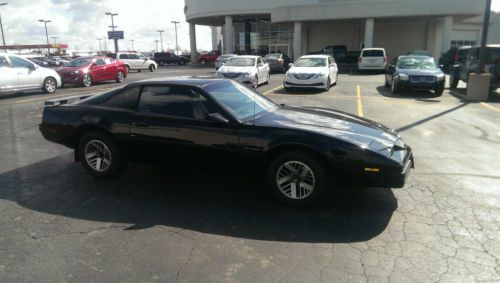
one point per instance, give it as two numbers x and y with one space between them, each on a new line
421 95
146 196
299 91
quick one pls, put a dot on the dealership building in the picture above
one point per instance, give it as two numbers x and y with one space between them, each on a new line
297 27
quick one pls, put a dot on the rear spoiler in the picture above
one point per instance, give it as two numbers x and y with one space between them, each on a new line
66 100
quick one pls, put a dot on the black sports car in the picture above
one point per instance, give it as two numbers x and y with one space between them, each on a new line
216 120
414 72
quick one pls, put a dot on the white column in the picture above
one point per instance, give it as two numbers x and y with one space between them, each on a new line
297 40
447 32
369 26
192 39
215 37
228 35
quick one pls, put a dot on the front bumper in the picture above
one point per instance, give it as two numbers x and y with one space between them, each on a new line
292 82
68 78
421 85
250 80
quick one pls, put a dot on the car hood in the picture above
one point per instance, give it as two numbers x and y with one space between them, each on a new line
415 72
340 125
307 70
236 69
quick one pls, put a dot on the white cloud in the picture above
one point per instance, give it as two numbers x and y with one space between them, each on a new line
80 23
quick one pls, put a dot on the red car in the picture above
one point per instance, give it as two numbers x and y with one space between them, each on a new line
210 57
88 70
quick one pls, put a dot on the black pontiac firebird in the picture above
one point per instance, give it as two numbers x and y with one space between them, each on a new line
203 120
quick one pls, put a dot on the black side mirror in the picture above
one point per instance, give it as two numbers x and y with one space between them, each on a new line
216 117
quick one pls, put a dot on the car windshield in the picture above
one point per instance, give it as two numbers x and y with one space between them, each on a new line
79 62
311 62
273 56
241 62
423 63
241 101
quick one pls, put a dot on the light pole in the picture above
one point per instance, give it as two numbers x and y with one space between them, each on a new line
105 43
100 46
1 27
156 41
176 44
113 27
132 42
54 39
161 38
47 35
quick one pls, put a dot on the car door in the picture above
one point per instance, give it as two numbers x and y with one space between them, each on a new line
125 59
99 70
134 61
27 75
171 124
261 69
8 76
142 62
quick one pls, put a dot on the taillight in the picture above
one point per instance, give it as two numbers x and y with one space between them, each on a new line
385 60
280 60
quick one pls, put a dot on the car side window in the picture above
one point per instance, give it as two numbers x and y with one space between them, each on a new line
100 62
108 61
175 101
123 56
122 99
133 56
20 63
3 62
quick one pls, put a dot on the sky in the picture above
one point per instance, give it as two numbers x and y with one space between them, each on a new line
80 22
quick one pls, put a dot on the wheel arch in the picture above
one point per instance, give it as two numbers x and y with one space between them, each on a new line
297 147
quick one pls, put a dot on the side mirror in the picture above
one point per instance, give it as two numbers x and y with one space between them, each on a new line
260 65
93 65
216 117
32 67
290 65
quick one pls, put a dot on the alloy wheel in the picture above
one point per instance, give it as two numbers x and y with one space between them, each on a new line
97 155
295 180
121 77
87 80
50 85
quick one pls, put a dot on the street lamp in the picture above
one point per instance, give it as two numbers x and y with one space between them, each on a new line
100 46
1 27
47 35
105 43
113 27
176 44
161 38
156 42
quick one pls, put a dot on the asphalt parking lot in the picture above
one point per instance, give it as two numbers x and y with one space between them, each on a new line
59 224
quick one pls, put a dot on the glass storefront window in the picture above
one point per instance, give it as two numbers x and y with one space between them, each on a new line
260 37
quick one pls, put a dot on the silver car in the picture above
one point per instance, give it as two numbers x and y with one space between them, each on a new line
18 74
136 61
219 62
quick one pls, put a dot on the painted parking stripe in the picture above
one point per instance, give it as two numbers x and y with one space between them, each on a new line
360 103
274 89
490 107
61 95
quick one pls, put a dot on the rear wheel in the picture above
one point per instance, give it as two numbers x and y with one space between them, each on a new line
297 178
439 91
120 77
328 84
49 85
151 68
100 155
86 80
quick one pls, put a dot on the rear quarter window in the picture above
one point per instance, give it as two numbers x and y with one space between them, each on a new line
373 53
125 99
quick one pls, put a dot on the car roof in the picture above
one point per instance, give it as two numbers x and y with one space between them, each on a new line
248 56
415 56
373 48
199 81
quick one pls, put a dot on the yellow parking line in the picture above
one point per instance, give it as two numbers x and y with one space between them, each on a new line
490 107
274 89
360 105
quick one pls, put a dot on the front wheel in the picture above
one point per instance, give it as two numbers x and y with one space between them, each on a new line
100 155
256 82
453 80
439 91
151 68
394 87
120 77
268 78
49 85
328 84
297 178
87 80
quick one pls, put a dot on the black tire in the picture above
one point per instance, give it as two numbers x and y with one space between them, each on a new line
151 68
453 80
128 69
120 77
328 85
439 91
319 189
336 79
283 69
117 161
49 85
256 84
268 78
86 80
139 70
387 84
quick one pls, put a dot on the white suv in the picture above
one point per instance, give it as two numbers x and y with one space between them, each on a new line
136 61
372 59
